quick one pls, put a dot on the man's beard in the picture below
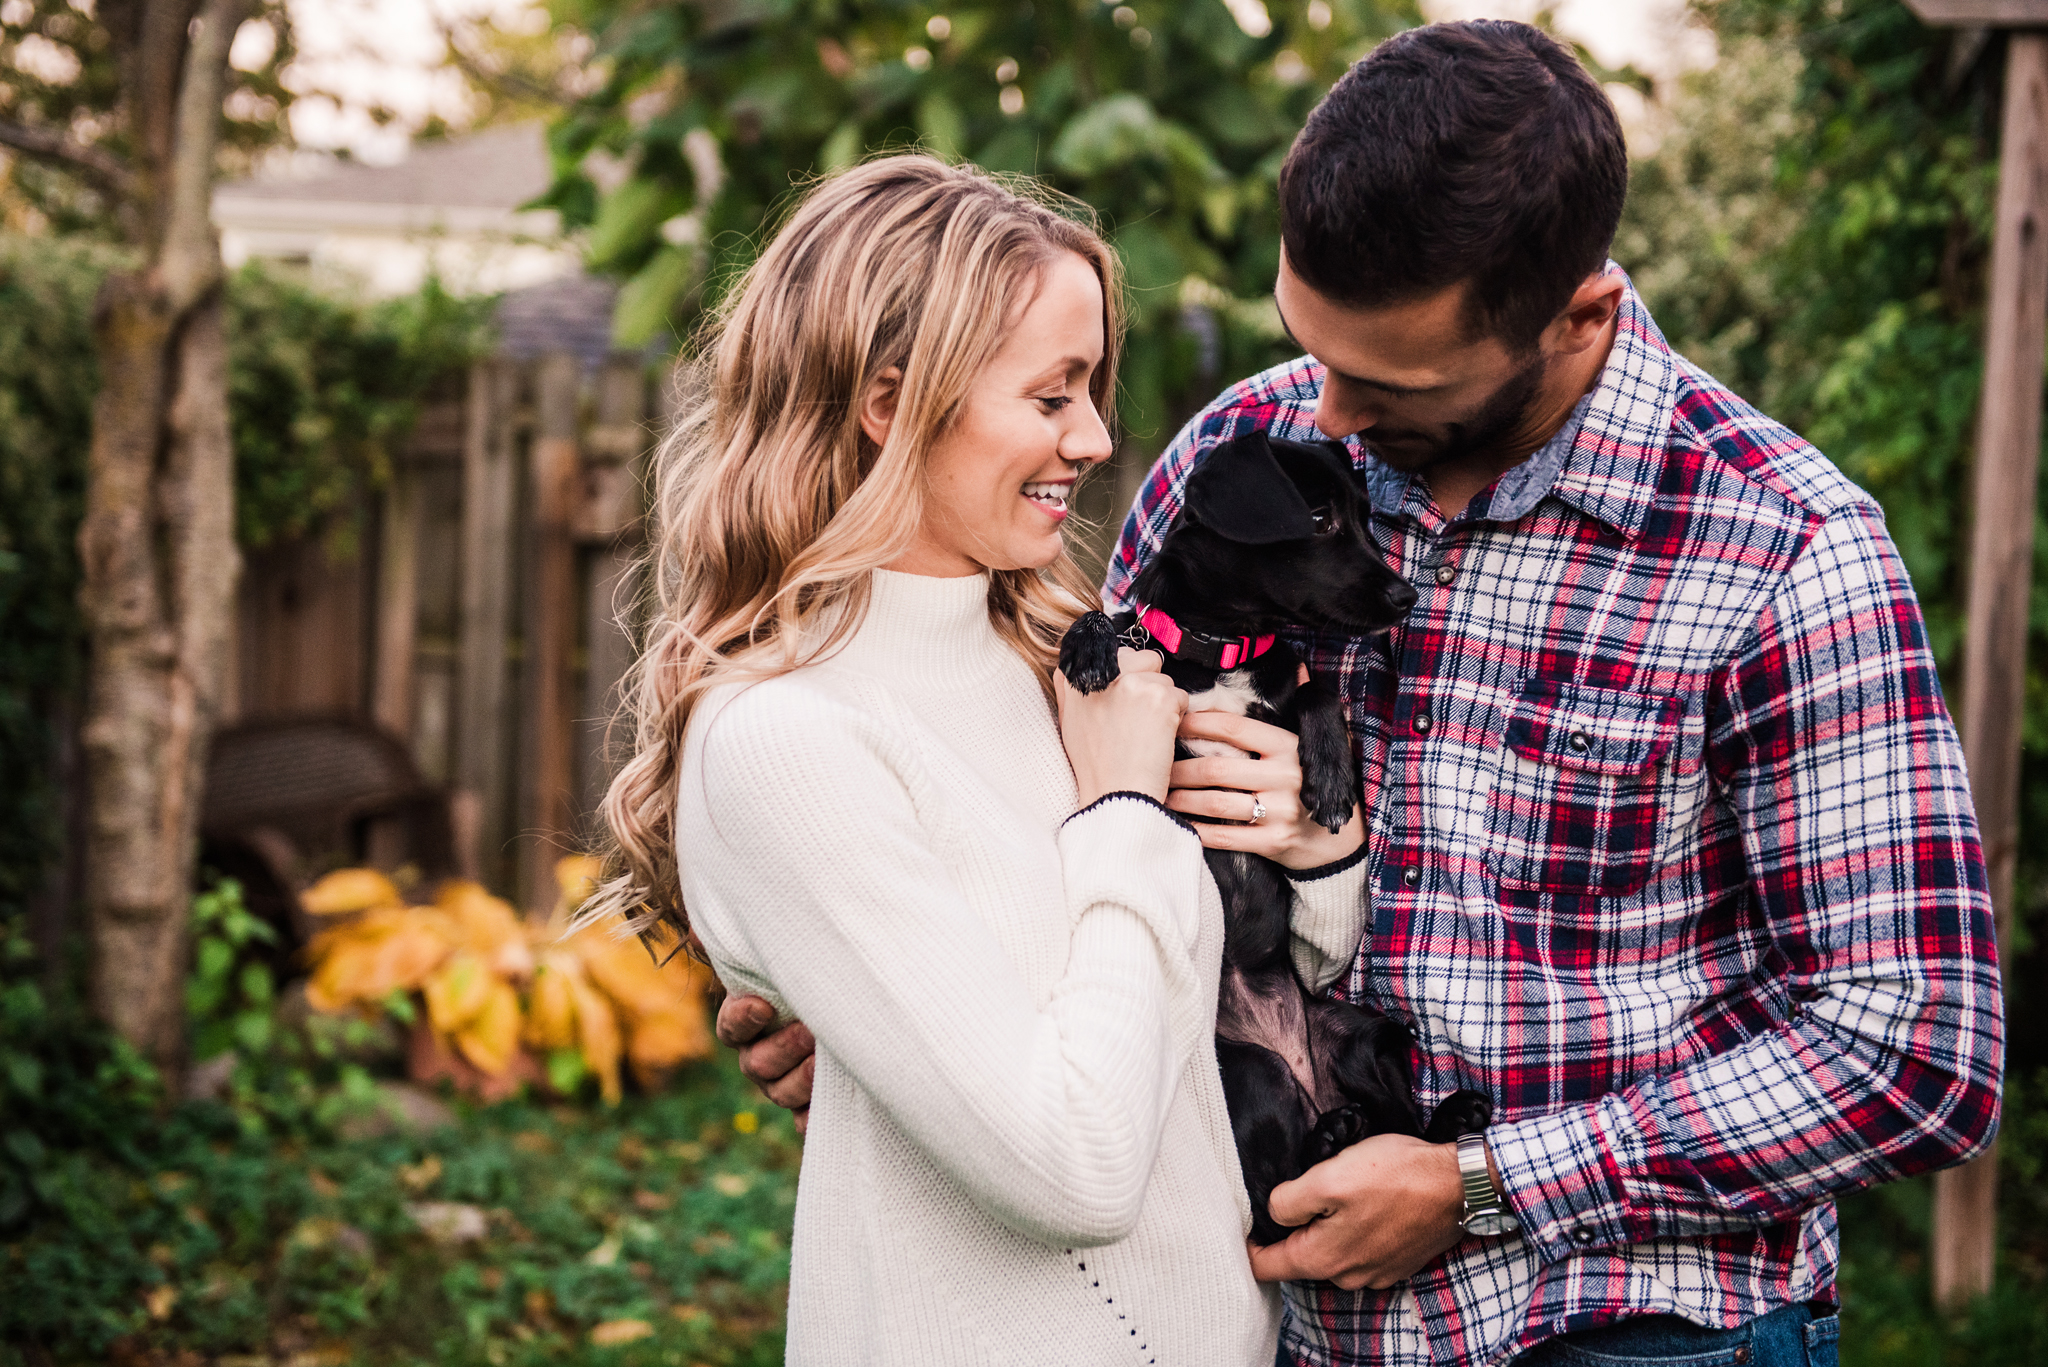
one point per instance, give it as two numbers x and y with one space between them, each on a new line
1478 436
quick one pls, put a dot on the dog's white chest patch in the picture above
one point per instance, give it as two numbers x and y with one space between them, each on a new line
1232 693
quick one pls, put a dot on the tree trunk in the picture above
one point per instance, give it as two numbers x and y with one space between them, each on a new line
157 542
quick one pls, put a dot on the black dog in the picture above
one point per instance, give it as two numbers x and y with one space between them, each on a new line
1274 534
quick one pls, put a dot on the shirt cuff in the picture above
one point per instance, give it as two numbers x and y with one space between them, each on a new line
1329 870
1328 919
1129 850
1123 795
1561 1179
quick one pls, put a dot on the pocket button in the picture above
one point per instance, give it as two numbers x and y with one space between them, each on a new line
1423 723
1741 1353
1446 575
1578 743
1411 877
1582 1235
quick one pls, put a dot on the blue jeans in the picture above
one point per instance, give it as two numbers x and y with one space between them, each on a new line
1790 1336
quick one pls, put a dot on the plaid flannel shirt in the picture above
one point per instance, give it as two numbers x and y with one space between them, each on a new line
1671 853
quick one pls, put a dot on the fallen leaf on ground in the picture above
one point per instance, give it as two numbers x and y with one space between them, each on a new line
333 1355
417 1177
613 1332
160 1301
606 1253
448 1222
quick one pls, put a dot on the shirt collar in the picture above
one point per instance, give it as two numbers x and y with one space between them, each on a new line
1606 458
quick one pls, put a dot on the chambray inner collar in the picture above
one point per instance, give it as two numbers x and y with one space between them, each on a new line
1508 499
1604 459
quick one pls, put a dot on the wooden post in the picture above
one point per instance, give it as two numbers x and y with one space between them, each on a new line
547 819
2001 554
398 591
490 487
608 521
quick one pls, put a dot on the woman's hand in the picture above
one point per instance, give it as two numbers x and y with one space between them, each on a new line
1121 739
1233 787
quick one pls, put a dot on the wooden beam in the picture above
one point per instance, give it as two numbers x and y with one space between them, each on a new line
547 806
2001 564
483 734
1996 13
609 517
398 592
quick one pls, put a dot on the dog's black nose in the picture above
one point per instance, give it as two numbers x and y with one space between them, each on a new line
1401 595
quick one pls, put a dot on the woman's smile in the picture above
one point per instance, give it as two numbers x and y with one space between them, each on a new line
1050 496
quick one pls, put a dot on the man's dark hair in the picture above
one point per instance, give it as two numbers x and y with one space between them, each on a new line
1478 152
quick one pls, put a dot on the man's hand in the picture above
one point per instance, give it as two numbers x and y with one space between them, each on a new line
1226 786
1375 1214
781 1063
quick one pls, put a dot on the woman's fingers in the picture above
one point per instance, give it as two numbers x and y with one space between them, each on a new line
1139 661
1121 738
1260 738
1227 805
1235 771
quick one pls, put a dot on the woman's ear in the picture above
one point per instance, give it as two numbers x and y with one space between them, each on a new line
878 405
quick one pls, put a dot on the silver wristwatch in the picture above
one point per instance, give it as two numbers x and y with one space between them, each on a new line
1486 1210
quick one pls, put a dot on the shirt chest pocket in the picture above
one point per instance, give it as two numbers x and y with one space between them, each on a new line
1582 798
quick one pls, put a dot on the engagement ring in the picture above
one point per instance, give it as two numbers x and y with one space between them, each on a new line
1258 811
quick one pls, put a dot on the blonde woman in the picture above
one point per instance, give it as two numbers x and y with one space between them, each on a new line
859 783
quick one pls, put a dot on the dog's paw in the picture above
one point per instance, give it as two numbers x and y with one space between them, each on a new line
1330 810
1088 653
1465 1112
1334 1132
1329 769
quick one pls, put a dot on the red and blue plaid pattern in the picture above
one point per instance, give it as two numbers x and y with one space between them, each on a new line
1671 851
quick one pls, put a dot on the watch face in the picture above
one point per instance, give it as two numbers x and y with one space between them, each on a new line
1490 1222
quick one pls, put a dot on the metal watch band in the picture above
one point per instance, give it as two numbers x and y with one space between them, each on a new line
1486 1210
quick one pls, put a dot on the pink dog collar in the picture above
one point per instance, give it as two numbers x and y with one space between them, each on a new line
1219 652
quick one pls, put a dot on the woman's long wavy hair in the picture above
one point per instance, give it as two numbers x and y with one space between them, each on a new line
771 505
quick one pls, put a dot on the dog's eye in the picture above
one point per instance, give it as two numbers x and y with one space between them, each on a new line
1323 520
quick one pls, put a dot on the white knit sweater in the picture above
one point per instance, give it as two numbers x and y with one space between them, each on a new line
1018 1146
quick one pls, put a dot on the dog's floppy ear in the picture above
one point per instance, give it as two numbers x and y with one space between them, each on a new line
1240 492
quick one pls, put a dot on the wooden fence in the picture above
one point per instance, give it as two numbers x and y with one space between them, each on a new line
478 620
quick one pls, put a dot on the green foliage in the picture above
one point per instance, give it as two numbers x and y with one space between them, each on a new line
48 375
230 994
65 1085
320 388
1170 120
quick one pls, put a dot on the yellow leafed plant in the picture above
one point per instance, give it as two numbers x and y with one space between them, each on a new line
457 991
492 983
380 952
551 1007
662 1005
490 1038
349 890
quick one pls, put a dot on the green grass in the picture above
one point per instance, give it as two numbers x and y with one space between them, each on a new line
673 1211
